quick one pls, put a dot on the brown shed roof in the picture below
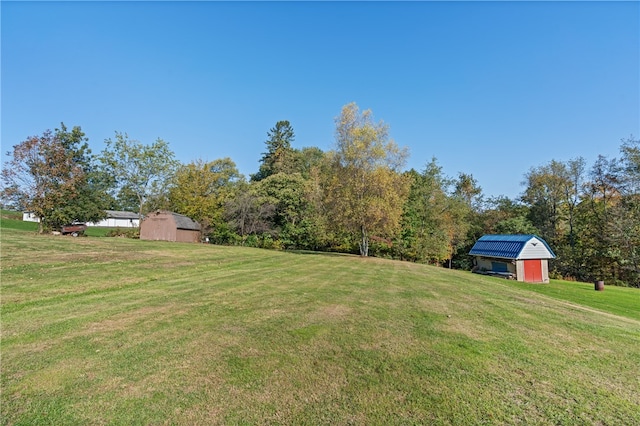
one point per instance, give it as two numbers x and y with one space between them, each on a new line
184 222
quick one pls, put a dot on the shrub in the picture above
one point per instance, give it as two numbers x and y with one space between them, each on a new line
124 232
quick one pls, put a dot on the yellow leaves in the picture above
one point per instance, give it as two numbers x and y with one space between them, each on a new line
365 192
364 143
200 188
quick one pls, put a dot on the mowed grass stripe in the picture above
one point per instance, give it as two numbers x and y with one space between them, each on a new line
158 333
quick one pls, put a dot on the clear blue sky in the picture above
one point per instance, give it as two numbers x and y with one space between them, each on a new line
488 88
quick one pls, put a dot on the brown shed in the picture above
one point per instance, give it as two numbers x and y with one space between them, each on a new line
169 226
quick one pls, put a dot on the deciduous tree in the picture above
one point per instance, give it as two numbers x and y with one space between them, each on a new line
435 222
200 190
248 213
424 236
365 191
630 150
296 217
53 176
623 232
142 170
545 195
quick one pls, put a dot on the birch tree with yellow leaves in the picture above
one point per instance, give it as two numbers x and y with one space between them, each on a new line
365 191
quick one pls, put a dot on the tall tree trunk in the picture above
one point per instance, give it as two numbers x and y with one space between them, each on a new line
364 243
141 201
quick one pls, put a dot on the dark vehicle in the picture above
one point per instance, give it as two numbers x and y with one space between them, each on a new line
74 229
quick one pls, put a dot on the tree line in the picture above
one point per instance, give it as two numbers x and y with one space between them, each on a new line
355 198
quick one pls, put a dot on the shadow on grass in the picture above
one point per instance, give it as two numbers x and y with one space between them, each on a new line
322 253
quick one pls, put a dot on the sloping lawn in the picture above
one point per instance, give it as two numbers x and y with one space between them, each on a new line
13 220
616 300
8 222
124 332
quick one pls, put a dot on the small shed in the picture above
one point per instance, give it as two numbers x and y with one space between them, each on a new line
523 257
169 226
118 219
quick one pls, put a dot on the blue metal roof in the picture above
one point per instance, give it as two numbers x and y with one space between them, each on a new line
504 246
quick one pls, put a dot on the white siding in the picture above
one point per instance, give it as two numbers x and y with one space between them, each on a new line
110 222
116 223
30 217
545 270
520 270
535 249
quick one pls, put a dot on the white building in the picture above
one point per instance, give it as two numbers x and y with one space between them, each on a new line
114 219
30 217
118 219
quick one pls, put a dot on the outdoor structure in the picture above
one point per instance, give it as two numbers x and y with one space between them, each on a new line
118 219
169 226
521 257
114 219
30 217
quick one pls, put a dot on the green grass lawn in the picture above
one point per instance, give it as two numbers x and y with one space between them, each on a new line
18 224
13 220
120 331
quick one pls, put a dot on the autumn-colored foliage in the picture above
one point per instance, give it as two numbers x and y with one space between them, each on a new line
49 175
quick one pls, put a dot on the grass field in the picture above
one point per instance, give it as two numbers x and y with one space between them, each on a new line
13 220
124 332
18 224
